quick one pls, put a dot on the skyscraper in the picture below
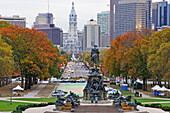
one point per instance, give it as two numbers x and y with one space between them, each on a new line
112 17
103 21
168 19
128 15
44 18
163 14
15 20
44 22
154 15
72 39
91 35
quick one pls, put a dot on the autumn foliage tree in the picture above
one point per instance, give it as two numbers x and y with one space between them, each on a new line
32 51
127 55
159 55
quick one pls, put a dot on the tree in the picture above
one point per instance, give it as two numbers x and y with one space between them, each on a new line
6 59
4 24
137 60
32 51
159 55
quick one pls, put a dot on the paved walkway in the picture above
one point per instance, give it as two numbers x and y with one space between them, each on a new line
35 91
151 110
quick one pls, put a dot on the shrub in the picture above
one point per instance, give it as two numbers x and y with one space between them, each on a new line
138 103
166 108
22 107
147 105
51 103
156 105
42 104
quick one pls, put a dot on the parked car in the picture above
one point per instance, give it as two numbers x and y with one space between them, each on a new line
71 80
106 81
81 80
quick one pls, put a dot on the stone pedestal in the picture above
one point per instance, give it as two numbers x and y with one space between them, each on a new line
94 87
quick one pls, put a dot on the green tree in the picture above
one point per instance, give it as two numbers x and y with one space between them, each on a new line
159 54
5 58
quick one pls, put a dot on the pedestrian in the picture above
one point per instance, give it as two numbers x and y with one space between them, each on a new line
96 99
92 99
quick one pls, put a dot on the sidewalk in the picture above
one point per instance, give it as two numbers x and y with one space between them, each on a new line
149 97
33 93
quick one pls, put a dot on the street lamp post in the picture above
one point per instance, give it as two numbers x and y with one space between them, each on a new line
11 87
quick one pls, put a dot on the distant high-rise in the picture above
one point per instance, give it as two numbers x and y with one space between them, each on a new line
112 17
154 16
44 22
72 39
44 18
126 15
15 20
168 14
103 21
163 14
91 35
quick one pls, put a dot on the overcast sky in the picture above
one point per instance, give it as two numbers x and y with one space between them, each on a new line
85 9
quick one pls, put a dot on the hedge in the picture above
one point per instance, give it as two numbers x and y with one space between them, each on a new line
21 108
165 108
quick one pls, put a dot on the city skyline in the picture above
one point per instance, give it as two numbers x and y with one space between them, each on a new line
60 10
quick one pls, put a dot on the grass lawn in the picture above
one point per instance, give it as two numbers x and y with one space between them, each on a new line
151 100
38 99
5 105
125 93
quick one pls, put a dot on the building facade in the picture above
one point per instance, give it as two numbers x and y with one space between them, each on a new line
104 40
129 15
103 21
91 35
44 22
44 18
154 16
72 39
15 20
163 14
112 18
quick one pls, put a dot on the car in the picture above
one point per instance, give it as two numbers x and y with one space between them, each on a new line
72 71
109 89
106 81
81 80
58 94
114 91
71 80
60 91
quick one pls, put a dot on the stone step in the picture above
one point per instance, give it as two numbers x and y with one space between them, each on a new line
96 109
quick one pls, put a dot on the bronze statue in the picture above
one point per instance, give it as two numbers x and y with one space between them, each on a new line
95 55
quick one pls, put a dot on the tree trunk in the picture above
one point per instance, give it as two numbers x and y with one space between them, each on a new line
34 79
144 88
26 82
3 81
0 81
165 82
22 79
159 82
146 85
6 80
126 79
29 83
168 83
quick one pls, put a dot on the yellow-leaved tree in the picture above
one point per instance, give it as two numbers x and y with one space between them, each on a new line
159 55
